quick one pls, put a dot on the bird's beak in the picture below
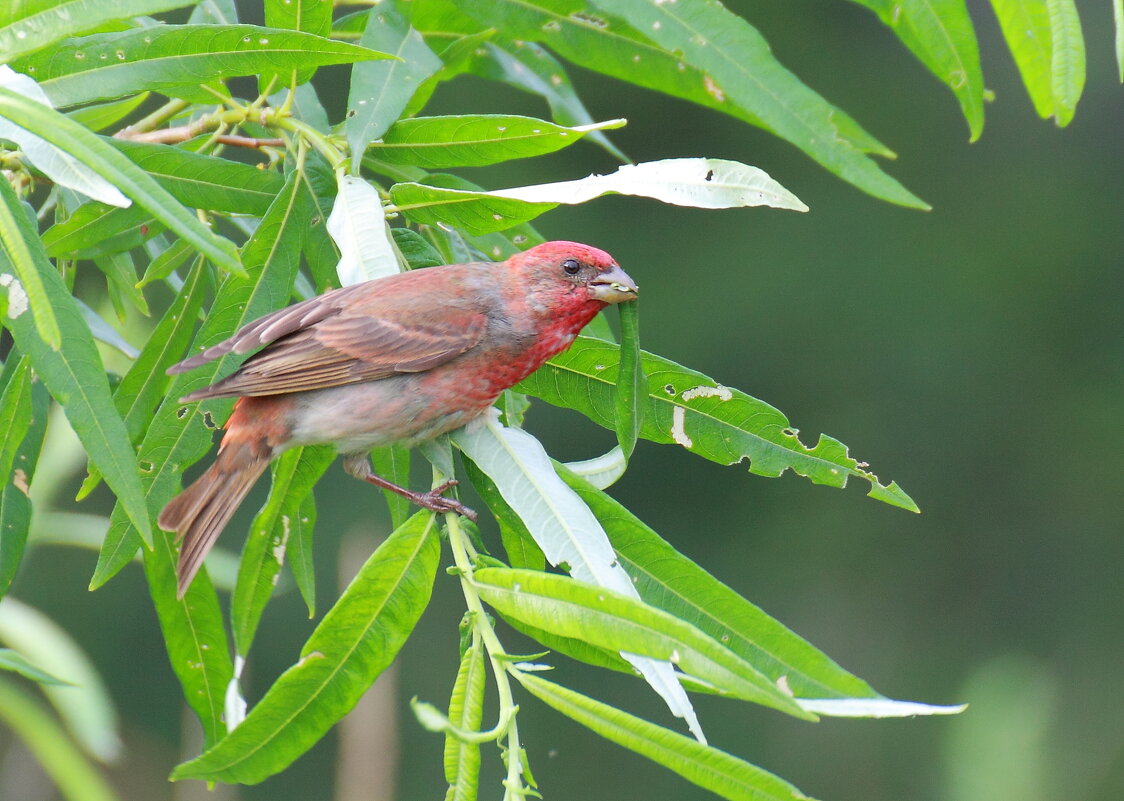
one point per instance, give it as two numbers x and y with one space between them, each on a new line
613 286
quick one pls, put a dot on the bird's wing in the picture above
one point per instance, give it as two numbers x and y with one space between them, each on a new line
346 337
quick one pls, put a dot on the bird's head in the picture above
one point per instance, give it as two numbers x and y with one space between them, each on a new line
572 274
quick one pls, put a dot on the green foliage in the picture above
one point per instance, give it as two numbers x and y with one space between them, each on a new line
219 242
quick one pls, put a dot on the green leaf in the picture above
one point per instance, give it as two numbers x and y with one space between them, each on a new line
193 635
103 159
121 273
15 662
205 182
295 472
67 767
73 373
466 711
356 641
167 262
99 116
95 229
689 409
1118 18
176 59
600 617
631 381
178 436
531 68
26 289
392 462
702 183
564 528
309 16
144 385
379 92
707 55
300 552
940 34
668 580
28 26
1067 62
476 140
15 506
15 411
714 770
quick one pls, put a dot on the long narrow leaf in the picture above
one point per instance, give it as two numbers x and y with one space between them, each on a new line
702 183
15 506
940 34
379 92
563 527
294 474
103 159
25 27
176 59
309 16
466 711
73 372
52 748
476 140
670 581
631 381
569 608
689 409
356 641
709 768
705 54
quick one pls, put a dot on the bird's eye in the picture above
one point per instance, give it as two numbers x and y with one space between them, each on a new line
571 266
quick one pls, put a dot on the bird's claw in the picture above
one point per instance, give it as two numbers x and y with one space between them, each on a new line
435 501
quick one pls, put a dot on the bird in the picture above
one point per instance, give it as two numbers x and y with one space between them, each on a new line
396 360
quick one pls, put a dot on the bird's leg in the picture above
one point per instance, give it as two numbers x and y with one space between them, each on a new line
358 465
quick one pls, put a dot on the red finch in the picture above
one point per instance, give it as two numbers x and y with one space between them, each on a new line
400 359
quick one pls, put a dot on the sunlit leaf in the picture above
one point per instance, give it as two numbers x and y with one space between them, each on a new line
609 620
73 373
563 527
28 26
105 160
466 711
940 34
689 409
309 16
702 183
379 92
475 140
359 229
176 59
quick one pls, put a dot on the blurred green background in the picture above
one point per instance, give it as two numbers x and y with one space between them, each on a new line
972 353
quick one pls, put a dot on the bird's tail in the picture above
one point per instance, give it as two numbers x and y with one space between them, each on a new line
200 513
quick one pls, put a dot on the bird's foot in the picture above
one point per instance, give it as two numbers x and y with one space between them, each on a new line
436 501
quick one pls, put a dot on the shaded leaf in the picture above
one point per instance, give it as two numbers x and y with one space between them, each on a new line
73 373
356 641
67 767
714 770
379 92
475 140
103 159
294 473
15 506
466 711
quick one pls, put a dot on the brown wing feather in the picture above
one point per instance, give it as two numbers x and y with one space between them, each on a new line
357 334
